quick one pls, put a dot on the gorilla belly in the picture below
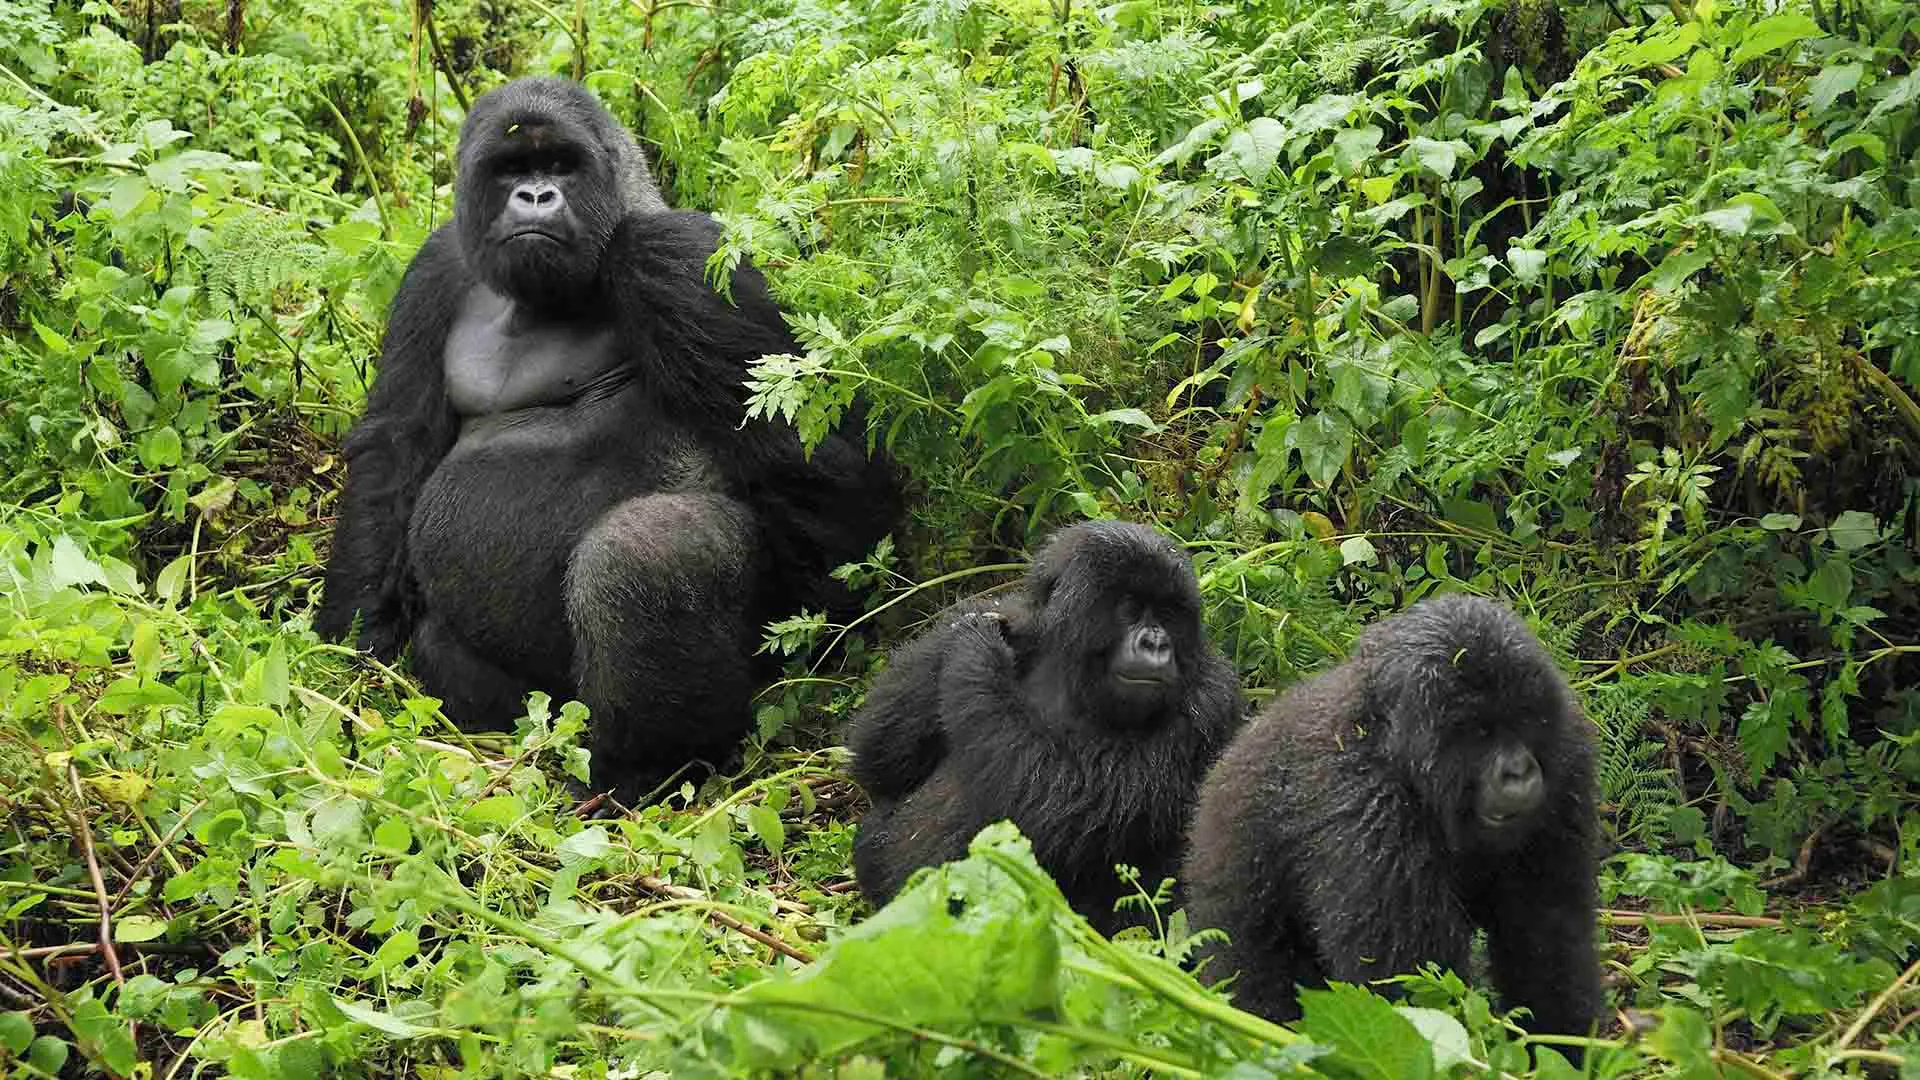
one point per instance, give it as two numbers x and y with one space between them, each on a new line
496 524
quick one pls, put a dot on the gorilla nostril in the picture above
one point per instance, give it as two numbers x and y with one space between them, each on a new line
1518 767
1154 642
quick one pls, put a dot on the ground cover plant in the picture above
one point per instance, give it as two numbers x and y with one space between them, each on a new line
1607 309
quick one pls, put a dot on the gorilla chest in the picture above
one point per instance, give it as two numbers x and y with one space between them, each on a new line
501 360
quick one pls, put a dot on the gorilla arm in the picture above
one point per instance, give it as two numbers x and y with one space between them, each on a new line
409 425
900 739
1540 922
696 349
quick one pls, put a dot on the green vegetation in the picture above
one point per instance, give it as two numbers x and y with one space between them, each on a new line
1611 309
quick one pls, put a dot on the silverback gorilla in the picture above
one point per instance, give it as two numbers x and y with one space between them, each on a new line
1367 821
1085 709
552 487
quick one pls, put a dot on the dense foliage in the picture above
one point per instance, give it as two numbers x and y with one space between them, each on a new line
1609 309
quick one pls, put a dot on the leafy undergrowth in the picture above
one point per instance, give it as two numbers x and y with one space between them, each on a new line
1605 309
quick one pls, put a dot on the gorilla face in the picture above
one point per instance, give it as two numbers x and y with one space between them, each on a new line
1118 612
539 191
1480 751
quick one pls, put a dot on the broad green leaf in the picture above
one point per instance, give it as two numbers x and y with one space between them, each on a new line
497 811
1734 219
1131 417
765 822
1679 266
1853 530
1325 441
396 950
125 695
1357 549
1352 147
1447 1036
1438 156
587 845
136 928
1344 256
172 579
1835 79
48 1054
1370 1039
71 566
1527 264
159 448
1773 34
1253 149
393 834
380 1021
965 945
1780 522
16 1032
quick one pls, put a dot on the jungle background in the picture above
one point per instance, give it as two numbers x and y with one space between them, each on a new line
1609 309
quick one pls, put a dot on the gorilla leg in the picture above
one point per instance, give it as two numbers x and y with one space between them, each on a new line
657 597
475 694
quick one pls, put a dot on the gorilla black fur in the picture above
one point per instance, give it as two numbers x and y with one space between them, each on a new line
1085 709
1366 822
552 487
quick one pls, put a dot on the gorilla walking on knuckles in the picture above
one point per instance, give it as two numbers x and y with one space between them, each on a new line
1367 821
552 487
1085 709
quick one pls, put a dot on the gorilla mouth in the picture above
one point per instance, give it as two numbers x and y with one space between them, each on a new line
1142 680
535 234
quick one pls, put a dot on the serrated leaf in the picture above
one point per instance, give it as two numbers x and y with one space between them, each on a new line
274 677
1370 1040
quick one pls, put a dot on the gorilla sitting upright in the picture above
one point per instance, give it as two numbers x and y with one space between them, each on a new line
552 487
1086 709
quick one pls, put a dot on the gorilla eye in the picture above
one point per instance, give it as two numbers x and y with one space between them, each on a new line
1128 609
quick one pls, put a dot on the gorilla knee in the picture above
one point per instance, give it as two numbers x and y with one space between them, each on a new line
656 556
658 548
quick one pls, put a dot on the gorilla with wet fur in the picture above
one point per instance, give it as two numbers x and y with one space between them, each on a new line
552 486
1085 708
1442 779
